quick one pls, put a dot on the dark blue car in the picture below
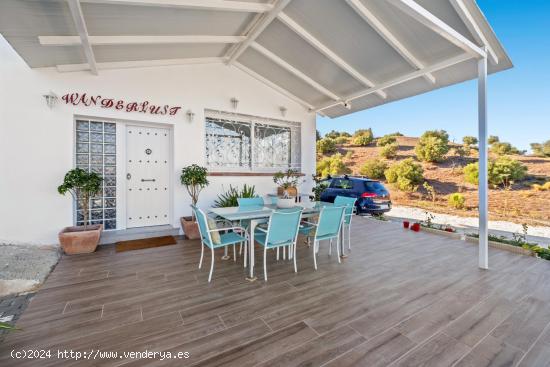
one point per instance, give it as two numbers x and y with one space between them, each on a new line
372 196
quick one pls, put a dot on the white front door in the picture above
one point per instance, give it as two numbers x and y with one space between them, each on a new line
147 176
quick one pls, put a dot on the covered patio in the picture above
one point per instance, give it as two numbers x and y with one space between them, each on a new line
401 299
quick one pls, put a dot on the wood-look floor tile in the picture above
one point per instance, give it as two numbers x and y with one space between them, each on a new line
491 352
440 351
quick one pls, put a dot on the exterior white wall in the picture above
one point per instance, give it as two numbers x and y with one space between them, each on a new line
36 143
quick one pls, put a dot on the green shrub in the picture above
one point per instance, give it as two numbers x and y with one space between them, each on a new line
333 165
363 139
345 134
362 132
229 198
326 146
541 150
374 169
432 146
493 139
407 175
341 140
333 134
501 172
83 186
317 135
457 200
385 140
397 133
471 173
389 151
500 148
469 141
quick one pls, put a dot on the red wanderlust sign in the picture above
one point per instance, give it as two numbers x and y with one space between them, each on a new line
118 104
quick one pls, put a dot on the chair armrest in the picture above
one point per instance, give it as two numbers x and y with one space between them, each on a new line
313 224
240 229
261 229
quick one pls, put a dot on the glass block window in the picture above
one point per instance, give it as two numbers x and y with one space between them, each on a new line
249 143
96 152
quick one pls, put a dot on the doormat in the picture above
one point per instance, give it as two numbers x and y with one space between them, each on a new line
144 243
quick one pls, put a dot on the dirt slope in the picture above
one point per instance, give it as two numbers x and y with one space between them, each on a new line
521 205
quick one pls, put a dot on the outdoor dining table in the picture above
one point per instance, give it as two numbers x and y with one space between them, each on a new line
260 214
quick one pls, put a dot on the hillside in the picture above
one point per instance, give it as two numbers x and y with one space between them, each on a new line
522 204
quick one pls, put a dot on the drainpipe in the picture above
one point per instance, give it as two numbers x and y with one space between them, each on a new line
483 163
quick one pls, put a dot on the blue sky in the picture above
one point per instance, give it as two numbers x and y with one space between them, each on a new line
518 99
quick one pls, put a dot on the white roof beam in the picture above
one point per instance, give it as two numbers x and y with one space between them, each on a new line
80 25
137 40
285 65
474 29
140 64
402 79
221 5
429 20
327 52
272 85
257 29
388 36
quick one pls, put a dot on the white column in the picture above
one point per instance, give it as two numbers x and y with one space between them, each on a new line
483 163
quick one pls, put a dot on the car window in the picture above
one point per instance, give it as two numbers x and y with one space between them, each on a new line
373 186
342 183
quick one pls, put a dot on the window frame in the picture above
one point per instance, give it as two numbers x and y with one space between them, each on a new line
295 142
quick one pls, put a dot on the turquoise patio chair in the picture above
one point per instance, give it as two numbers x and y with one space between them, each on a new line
212 238
349 203
328 227
282 231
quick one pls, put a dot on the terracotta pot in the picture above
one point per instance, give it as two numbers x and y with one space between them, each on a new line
292 191
190 228
405 224
416 227
80 240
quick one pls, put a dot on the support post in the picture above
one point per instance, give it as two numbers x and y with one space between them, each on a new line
483 164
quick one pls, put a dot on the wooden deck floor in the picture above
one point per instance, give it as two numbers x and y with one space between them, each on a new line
400 299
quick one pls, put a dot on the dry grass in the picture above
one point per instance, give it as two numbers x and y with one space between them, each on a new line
522 204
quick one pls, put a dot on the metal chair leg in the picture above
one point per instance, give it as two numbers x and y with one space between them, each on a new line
338 247
294 258
202 254
234 253
265 263
211 266
245 253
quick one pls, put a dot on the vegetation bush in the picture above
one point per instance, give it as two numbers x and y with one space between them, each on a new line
397 133
432 146
407 175
229 198
500 148
385 140
544 187
333 134
363 137
82 185
326 146
501 172
493 139
456 200
389 151
541 149
469 141
333 165
374 169
345 134
341 140
317 135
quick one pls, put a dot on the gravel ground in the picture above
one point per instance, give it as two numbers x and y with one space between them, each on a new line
470 224
24 268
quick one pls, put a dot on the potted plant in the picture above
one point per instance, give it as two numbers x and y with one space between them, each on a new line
194 178
287 190
83 186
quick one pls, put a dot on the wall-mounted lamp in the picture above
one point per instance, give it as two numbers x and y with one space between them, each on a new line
51 99
234 103
190 115
283 110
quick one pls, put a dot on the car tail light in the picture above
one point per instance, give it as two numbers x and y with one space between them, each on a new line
368 195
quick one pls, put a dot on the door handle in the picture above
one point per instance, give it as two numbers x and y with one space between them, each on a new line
148 180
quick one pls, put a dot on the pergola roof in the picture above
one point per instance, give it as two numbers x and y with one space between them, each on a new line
332 56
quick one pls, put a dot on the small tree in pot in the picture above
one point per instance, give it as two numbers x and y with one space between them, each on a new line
83 186
287 190
194 178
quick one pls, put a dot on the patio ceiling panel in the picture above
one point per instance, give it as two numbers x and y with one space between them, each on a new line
268 69
110 20
342 30
282 41
161 52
